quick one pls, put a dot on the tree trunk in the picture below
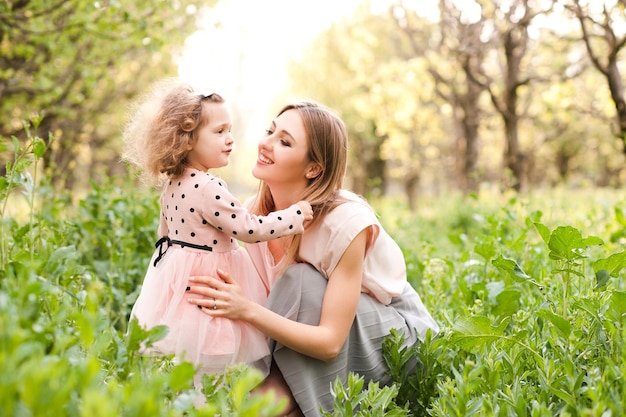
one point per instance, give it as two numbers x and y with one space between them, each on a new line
514 158
515 42
617 94
410 183
368 171
470 121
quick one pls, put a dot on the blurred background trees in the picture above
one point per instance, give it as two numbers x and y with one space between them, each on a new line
70 66
506 94
509 93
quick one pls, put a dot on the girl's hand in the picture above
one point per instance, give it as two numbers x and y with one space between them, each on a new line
306 209
218 297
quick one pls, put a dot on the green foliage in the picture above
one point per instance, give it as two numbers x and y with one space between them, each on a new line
81 61
532 315
353 400
528 291
228 395
68 277
415 370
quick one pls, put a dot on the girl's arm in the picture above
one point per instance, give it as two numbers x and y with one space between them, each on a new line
224 212
339 305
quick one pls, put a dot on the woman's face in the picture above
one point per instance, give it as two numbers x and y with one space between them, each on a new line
283 153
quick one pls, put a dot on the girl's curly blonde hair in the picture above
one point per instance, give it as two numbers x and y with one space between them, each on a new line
161 126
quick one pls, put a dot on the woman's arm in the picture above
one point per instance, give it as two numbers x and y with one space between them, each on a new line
339 305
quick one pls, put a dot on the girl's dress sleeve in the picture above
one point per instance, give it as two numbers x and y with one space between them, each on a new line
224 212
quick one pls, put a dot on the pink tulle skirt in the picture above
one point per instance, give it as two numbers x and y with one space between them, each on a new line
210 343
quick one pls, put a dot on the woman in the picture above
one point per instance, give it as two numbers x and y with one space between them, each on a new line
336 290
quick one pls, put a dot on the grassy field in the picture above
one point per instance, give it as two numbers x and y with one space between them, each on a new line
529 291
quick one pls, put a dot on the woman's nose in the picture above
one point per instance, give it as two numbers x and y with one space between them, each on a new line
264 142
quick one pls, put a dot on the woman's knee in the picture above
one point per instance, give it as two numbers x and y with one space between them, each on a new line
298 294
298 279
302 272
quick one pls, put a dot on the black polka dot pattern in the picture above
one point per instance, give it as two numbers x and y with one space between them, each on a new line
200 211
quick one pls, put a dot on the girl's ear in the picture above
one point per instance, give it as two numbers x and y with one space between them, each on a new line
190 142
313 171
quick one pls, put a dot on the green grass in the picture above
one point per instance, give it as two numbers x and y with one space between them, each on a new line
529 291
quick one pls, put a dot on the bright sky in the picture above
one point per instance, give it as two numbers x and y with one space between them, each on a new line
243 50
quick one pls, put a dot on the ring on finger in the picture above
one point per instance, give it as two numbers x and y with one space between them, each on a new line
214 305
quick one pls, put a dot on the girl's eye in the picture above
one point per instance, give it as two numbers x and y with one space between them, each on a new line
269 131
285 143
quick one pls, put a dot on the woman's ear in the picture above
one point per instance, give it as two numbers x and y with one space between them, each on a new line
313 171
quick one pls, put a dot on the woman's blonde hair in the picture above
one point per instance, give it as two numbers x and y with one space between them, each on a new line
328 147
162 125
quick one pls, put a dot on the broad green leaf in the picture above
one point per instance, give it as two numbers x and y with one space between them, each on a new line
63 254
592 241
617 306
602 277
182 377
3 183
565 242
511 267
590 306
156 333
619 216
486 250
477 331
612 265
544 232
39 147
559 322
508 302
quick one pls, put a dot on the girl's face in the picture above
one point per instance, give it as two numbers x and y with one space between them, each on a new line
283 153
214 143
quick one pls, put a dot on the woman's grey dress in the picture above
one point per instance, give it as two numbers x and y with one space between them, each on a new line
387 302
298 296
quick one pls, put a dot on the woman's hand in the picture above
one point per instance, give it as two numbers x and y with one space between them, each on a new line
223 298
219 297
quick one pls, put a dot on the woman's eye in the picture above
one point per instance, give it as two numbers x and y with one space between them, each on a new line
269 131
284 143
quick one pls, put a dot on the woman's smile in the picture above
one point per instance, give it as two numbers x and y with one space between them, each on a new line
265 160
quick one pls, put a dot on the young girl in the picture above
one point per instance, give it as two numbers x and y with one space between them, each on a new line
180 136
